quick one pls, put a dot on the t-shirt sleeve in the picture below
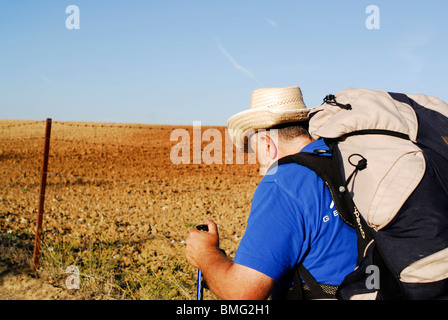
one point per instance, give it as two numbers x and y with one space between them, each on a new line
274 240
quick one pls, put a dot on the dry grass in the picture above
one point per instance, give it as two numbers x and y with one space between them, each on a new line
116 207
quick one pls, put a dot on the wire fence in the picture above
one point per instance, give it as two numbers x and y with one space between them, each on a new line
116 207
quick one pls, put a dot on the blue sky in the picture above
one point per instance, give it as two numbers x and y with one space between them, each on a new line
175 62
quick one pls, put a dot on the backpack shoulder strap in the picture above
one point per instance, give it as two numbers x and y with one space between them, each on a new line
310 289
328 169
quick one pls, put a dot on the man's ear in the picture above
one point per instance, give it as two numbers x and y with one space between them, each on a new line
271 146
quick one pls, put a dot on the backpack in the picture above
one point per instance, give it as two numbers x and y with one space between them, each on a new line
388 176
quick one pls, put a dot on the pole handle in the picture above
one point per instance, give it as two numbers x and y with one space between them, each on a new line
200 289
202 227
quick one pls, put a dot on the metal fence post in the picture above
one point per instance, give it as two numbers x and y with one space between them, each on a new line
43 184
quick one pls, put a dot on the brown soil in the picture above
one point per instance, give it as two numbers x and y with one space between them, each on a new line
113 192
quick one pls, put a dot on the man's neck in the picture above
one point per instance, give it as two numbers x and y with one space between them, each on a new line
292 147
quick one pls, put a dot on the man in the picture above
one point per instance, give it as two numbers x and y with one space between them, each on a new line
292 221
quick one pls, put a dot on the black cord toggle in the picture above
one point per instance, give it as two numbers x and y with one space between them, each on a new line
361 165
331 99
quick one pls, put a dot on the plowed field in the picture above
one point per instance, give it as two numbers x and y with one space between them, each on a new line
116 206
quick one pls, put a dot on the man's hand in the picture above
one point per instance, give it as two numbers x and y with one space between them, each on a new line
202 244
225 278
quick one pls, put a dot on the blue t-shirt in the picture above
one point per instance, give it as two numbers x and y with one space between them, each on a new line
293 216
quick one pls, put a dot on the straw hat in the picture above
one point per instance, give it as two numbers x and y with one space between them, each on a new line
268 107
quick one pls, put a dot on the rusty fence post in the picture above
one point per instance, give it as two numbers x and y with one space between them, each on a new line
43 184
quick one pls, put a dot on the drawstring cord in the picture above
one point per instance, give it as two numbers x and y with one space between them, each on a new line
331 99
362 164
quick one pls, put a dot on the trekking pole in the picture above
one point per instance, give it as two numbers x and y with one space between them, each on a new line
200 289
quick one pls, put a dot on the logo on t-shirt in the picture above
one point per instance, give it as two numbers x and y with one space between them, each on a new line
335 212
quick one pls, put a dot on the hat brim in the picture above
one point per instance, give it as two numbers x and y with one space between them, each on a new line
243 124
